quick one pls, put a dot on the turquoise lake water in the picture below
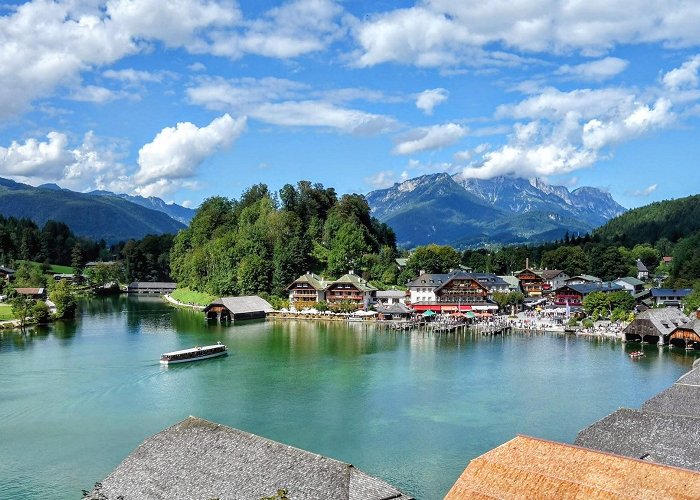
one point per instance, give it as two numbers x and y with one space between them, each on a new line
412 408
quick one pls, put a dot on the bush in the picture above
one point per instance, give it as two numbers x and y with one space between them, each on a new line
572 322
40 312
587 323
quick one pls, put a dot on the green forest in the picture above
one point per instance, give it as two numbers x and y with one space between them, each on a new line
264 241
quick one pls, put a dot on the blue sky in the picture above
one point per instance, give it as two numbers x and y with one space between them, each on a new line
189 99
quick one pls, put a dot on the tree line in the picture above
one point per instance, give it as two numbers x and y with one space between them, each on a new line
261 242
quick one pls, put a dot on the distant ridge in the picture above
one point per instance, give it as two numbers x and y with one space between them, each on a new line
467 213
97 217
173 210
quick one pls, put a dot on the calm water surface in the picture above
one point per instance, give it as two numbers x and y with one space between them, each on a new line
412 408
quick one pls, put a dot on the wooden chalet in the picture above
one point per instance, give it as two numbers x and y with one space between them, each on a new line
306 290
531 283
462 288
228 309
350 288
527 468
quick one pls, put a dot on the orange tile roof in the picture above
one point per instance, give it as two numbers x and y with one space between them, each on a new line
530 468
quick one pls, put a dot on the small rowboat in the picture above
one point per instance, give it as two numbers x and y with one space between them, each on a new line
194 354
636 354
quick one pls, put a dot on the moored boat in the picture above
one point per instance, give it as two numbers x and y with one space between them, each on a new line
194 354
636 354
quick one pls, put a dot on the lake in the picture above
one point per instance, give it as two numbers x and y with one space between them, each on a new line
411 408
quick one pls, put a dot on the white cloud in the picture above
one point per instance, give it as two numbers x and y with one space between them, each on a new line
96 94
323 114
451 32
176 152
569 131
684 77
293 29
641 193
133 76
381 180
599 70
435 137
91 165
428 99
281 102
46 44
36 159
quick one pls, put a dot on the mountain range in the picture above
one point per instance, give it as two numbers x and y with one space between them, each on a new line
467 213
104 216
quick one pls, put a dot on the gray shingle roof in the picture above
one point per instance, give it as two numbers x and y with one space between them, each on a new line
658 437
198 459
665 319
243 305
682 398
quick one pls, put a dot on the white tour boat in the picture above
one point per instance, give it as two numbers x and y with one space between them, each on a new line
194 354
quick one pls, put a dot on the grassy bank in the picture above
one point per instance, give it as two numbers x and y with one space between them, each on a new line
54 268
6 312
187 296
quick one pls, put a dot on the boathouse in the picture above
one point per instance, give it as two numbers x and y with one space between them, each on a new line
654 325
199 459
527 467
687 335
151 287
237 308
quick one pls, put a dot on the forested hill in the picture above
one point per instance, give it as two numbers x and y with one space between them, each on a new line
99 218
262 242
670 220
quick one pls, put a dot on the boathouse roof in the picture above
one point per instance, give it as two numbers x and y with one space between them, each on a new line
586 288
682 398
658 437
199 459
526 467
242 305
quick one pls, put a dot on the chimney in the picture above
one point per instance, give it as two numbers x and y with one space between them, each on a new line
351 271
421 272
697 313
527 263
